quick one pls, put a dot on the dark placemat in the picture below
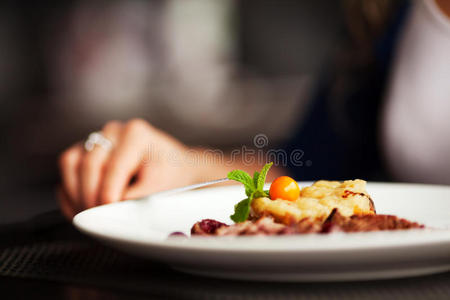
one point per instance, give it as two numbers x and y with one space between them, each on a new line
52 250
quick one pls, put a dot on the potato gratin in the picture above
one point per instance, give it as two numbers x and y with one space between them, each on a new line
317 201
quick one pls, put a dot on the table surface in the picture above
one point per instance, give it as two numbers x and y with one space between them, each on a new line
45 257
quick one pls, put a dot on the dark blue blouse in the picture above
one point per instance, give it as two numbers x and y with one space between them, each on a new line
339 139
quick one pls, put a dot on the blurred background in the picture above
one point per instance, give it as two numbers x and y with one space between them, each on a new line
211 73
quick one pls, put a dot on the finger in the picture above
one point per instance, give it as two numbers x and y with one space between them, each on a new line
124 161
65 204
92 166
69 163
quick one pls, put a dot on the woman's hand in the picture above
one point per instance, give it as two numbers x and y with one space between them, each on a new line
142 160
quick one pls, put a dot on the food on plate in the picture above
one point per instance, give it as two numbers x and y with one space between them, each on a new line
316 201
323 207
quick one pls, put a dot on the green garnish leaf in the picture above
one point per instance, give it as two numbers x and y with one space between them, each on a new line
253 189
244 178
255 178
241 211
262 177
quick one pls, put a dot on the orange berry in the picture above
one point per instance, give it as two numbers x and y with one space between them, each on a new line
284 187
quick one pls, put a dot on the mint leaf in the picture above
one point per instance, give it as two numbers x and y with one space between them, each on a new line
244 178
259 194
241 211
255 179
254 188
262 177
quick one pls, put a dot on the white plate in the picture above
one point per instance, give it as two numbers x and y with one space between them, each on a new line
141 227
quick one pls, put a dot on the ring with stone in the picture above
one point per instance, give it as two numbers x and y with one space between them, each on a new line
96 138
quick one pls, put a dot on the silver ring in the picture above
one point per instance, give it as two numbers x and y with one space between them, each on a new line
96 138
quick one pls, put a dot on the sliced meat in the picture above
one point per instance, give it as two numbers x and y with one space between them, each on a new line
335 222
261 226
358 223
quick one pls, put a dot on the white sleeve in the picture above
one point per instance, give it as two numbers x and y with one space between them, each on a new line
416 117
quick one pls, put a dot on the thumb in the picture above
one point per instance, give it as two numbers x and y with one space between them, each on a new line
143 186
